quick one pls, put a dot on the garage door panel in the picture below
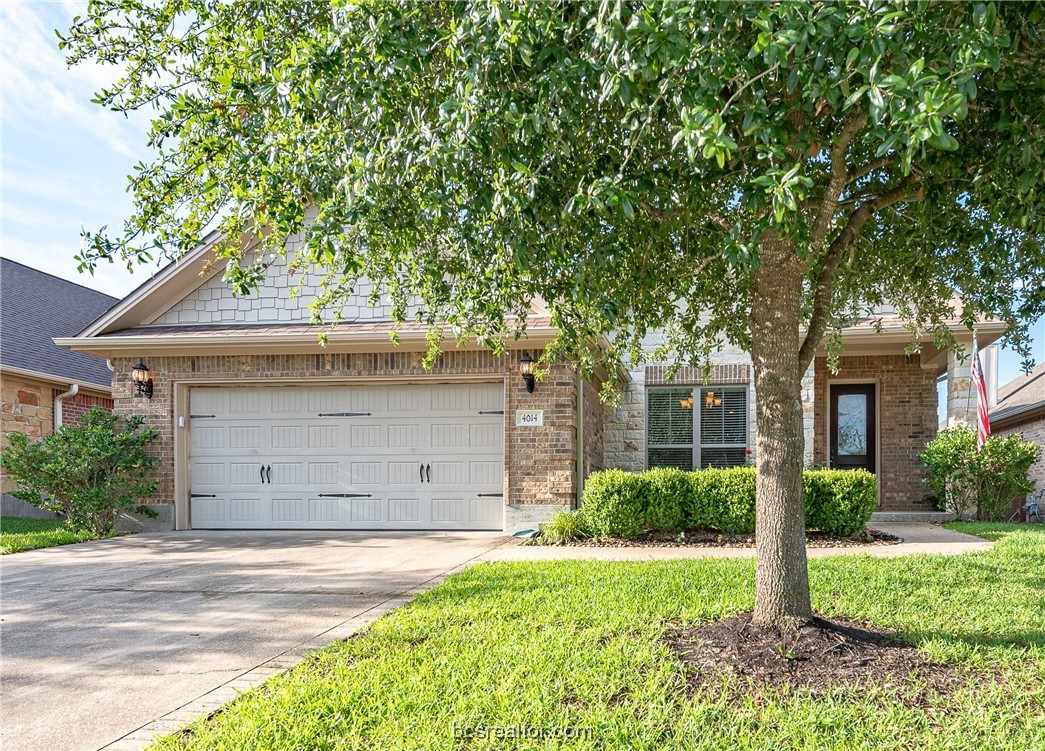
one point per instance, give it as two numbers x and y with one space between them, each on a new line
449 510
288 511
404 511
245 437
448 473
324 509
486 511
366 436
366 510
378 455
486 436
367 474
245 510
243 474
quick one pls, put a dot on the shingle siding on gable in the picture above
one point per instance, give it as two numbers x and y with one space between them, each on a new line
282 298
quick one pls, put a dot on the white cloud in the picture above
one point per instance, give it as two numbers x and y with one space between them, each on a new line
41 94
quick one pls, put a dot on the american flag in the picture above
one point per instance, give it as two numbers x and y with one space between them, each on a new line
983 419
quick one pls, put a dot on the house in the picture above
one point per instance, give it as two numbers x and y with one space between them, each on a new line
1020 408
261 427
43 385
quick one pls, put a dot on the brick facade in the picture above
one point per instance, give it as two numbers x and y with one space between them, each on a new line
1032 430
907 420
540 462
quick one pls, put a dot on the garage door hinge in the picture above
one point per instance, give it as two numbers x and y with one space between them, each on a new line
491 412
345 495
344 414
200 417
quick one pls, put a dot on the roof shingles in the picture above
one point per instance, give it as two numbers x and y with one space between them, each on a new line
36 307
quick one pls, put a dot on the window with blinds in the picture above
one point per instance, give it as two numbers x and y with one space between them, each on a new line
696 427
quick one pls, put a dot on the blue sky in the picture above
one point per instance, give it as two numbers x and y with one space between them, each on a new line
65 161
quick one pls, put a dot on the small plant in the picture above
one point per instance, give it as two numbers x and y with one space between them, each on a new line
785 654
681 539
563 527
88 472
869 536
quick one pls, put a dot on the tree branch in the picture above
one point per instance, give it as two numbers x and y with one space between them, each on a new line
877 164
839 175
829 267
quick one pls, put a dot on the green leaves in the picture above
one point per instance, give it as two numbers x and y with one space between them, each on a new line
620 162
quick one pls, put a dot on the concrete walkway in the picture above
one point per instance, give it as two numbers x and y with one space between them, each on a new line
917 538
107 643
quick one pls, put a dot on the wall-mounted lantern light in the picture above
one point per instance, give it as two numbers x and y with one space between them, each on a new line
142 378
526 368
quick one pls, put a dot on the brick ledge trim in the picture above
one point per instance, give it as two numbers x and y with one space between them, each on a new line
691 376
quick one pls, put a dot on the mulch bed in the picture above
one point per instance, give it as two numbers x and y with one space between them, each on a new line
820 655
712 539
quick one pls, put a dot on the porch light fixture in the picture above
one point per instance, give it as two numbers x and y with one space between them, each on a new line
142 378
526 368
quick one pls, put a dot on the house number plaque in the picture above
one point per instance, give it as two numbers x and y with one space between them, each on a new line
529 418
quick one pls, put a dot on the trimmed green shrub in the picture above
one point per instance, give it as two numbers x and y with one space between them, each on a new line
565 526
723 499
669 491
615 503
89 471
988 480
839 501
623 504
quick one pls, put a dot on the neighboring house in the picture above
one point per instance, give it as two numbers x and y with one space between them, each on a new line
1020 408
44 385
261 427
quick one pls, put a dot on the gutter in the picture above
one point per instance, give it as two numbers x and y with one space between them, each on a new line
73 391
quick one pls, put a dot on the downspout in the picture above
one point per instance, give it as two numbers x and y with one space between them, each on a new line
73 391
580 439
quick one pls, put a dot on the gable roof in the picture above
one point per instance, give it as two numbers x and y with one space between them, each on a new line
1021 398
36 307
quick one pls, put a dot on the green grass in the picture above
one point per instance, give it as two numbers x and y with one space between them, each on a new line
20 533
577 644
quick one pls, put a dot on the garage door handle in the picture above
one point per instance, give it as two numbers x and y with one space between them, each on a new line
268 474
202 495
428 471
490 495
422 471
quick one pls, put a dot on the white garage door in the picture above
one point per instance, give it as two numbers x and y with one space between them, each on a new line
347 457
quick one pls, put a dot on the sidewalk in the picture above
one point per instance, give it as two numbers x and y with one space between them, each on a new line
917 538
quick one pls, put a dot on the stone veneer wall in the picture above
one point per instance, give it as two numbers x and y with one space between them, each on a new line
28 408
907 420
540 463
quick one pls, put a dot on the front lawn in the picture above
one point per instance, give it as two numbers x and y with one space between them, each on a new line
577 646
20 533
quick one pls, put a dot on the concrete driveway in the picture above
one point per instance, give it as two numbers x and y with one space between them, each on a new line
101 639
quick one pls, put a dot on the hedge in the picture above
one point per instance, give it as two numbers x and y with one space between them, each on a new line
624 504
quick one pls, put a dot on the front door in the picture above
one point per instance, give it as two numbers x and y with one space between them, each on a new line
853 420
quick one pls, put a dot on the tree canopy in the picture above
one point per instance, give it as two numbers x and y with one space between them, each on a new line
622 161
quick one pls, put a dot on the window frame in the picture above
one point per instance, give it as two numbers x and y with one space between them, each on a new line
697 445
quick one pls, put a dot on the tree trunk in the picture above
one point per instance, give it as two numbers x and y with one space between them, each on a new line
782 578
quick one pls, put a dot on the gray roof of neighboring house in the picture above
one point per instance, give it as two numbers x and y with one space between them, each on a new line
1020 397
34 308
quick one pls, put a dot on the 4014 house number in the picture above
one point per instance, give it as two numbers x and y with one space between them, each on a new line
529 418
